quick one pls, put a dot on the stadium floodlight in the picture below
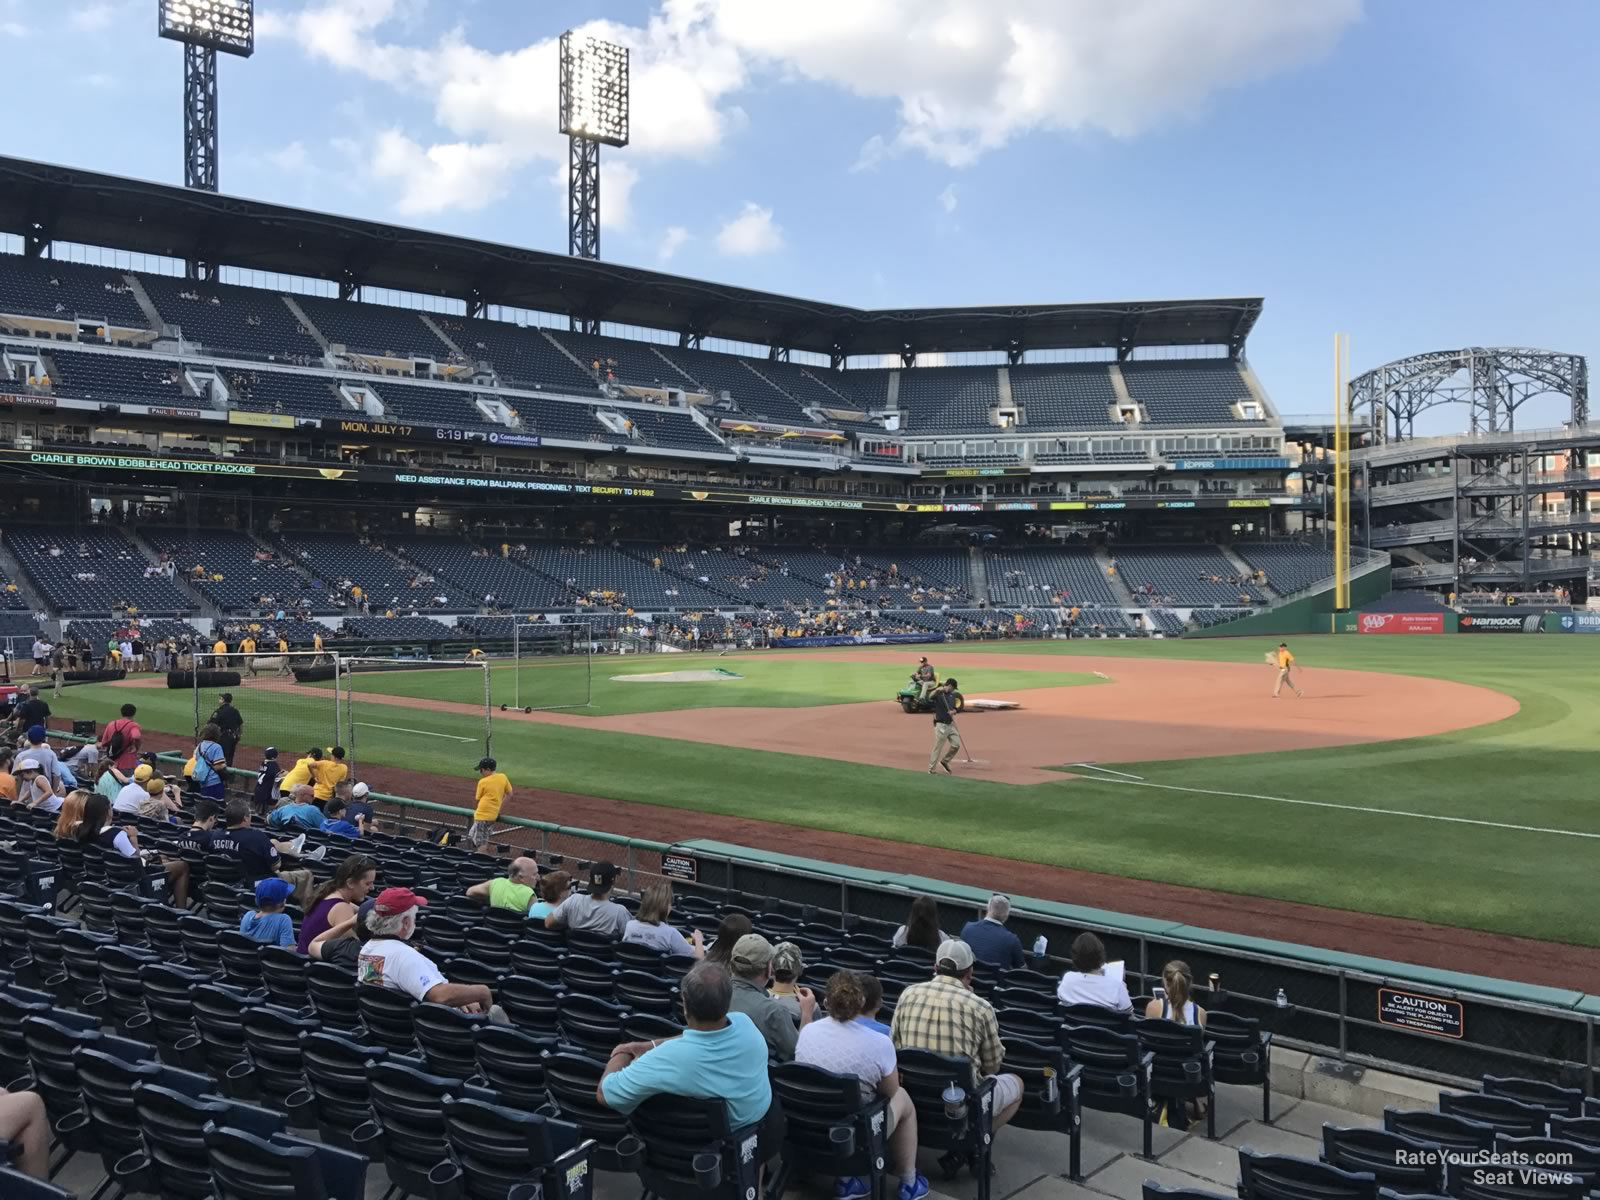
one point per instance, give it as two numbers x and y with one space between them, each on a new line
205 27
593 108
226 25
594 90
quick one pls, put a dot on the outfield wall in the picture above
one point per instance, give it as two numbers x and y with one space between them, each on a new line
1312 612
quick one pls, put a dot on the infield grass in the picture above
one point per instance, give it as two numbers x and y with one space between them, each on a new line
1536 768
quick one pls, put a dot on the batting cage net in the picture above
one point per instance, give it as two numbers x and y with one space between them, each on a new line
291 701
551 667
387 704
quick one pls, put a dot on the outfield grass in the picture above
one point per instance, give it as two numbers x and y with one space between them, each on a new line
1533 769
778 681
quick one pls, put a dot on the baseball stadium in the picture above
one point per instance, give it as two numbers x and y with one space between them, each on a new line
777 618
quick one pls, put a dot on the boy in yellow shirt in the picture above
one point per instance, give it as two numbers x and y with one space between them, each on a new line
1285 662
299 773
493 788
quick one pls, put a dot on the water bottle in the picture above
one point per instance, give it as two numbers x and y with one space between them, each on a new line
1039 946
1283 999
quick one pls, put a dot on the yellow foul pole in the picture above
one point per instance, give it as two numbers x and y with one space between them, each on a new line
1341 475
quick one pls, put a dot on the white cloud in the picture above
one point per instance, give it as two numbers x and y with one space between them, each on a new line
753 231
964 77
671 242
433 179
13 29
968 76
947 199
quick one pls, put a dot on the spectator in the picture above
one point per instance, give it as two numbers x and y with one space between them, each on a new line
32 711
734 926
989 938
490 796
752 972
595 913
388 960
341 943
33 788
8 782
267 779
71 814
359 809
842 1044
872 993
258 854
300 772
196 839
96 829
1176 1003
210 764
269 924
338 900
720 1056
945 1016
336 821
1088 983
513 890
650 927
296 811
122 739
25 1126
327 774
41 752
787 966
922 926
130 798
160 800
553 889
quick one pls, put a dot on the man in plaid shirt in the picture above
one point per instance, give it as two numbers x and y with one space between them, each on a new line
945 1015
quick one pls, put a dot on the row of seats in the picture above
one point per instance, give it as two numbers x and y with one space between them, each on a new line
91 570
1186 574
237 558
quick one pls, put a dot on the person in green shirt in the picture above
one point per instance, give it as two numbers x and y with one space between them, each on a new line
513 890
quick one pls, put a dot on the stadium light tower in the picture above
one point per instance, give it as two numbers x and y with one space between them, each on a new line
594 112
204 27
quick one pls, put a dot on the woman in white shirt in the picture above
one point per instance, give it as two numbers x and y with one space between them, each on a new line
841 1043
922 926
1087 982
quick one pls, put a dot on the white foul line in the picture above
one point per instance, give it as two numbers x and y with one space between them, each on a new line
1386 812
420 732
1106 770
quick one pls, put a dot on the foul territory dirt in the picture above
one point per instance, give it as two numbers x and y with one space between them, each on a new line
1143 711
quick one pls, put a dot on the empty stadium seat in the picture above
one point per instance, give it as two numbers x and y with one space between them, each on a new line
45 287
1199 392
92 570
1064 395
239 320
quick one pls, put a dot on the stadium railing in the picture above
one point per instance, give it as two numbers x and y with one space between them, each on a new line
1446 1026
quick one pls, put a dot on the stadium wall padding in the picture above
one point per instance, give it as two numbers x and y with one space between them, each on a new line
1308 613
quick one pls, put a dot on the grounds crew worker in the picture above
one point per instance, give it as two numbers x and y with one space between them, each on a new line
1285 662
926 678
946 737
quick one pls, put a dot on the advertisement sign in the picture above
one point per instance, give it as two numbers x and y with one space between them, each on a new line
173 466
264 420
1578 622
28 400
1422 1014
1501 622
516 439
861 639
1401 623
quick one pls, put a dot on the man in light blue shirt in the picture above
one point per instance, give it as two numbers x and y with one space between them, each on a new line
296 811
721 1055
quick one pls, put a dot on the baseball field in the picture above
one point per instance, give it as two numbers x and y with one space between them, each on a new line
1441 781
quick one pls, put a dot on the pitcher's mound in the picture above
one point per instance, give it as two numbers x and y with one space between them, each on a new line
716 674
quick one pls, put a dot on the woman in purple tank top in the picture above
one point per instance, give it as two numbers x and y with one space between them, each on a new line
339 898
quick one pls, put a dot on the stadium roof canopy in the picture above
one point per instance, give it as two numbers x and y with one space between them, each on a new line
45 203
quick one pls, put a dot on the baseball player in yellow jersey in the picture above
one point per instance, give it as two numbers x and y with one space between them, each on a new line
1285 663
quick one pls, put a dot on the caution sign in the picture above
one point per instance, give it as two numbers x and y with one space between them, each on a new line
1421 1014
680 867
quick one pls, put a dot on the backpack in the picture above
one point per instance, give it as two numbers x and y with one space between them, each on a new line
119 740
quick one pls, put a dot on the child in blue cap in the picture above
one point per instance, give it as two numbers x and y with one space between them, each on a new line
269 923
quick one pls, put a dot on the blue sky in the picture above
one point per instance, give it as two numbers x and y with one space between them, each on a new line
1417 173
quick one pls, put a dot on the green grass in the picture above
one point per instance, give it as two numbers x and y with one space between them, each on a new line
1533 769
786 681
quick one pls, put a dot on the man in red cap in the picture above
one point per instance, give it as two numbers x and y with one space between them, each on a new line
388 959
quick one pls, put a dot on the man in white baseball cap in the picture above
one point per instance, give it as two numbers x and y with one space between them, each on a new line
357 808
